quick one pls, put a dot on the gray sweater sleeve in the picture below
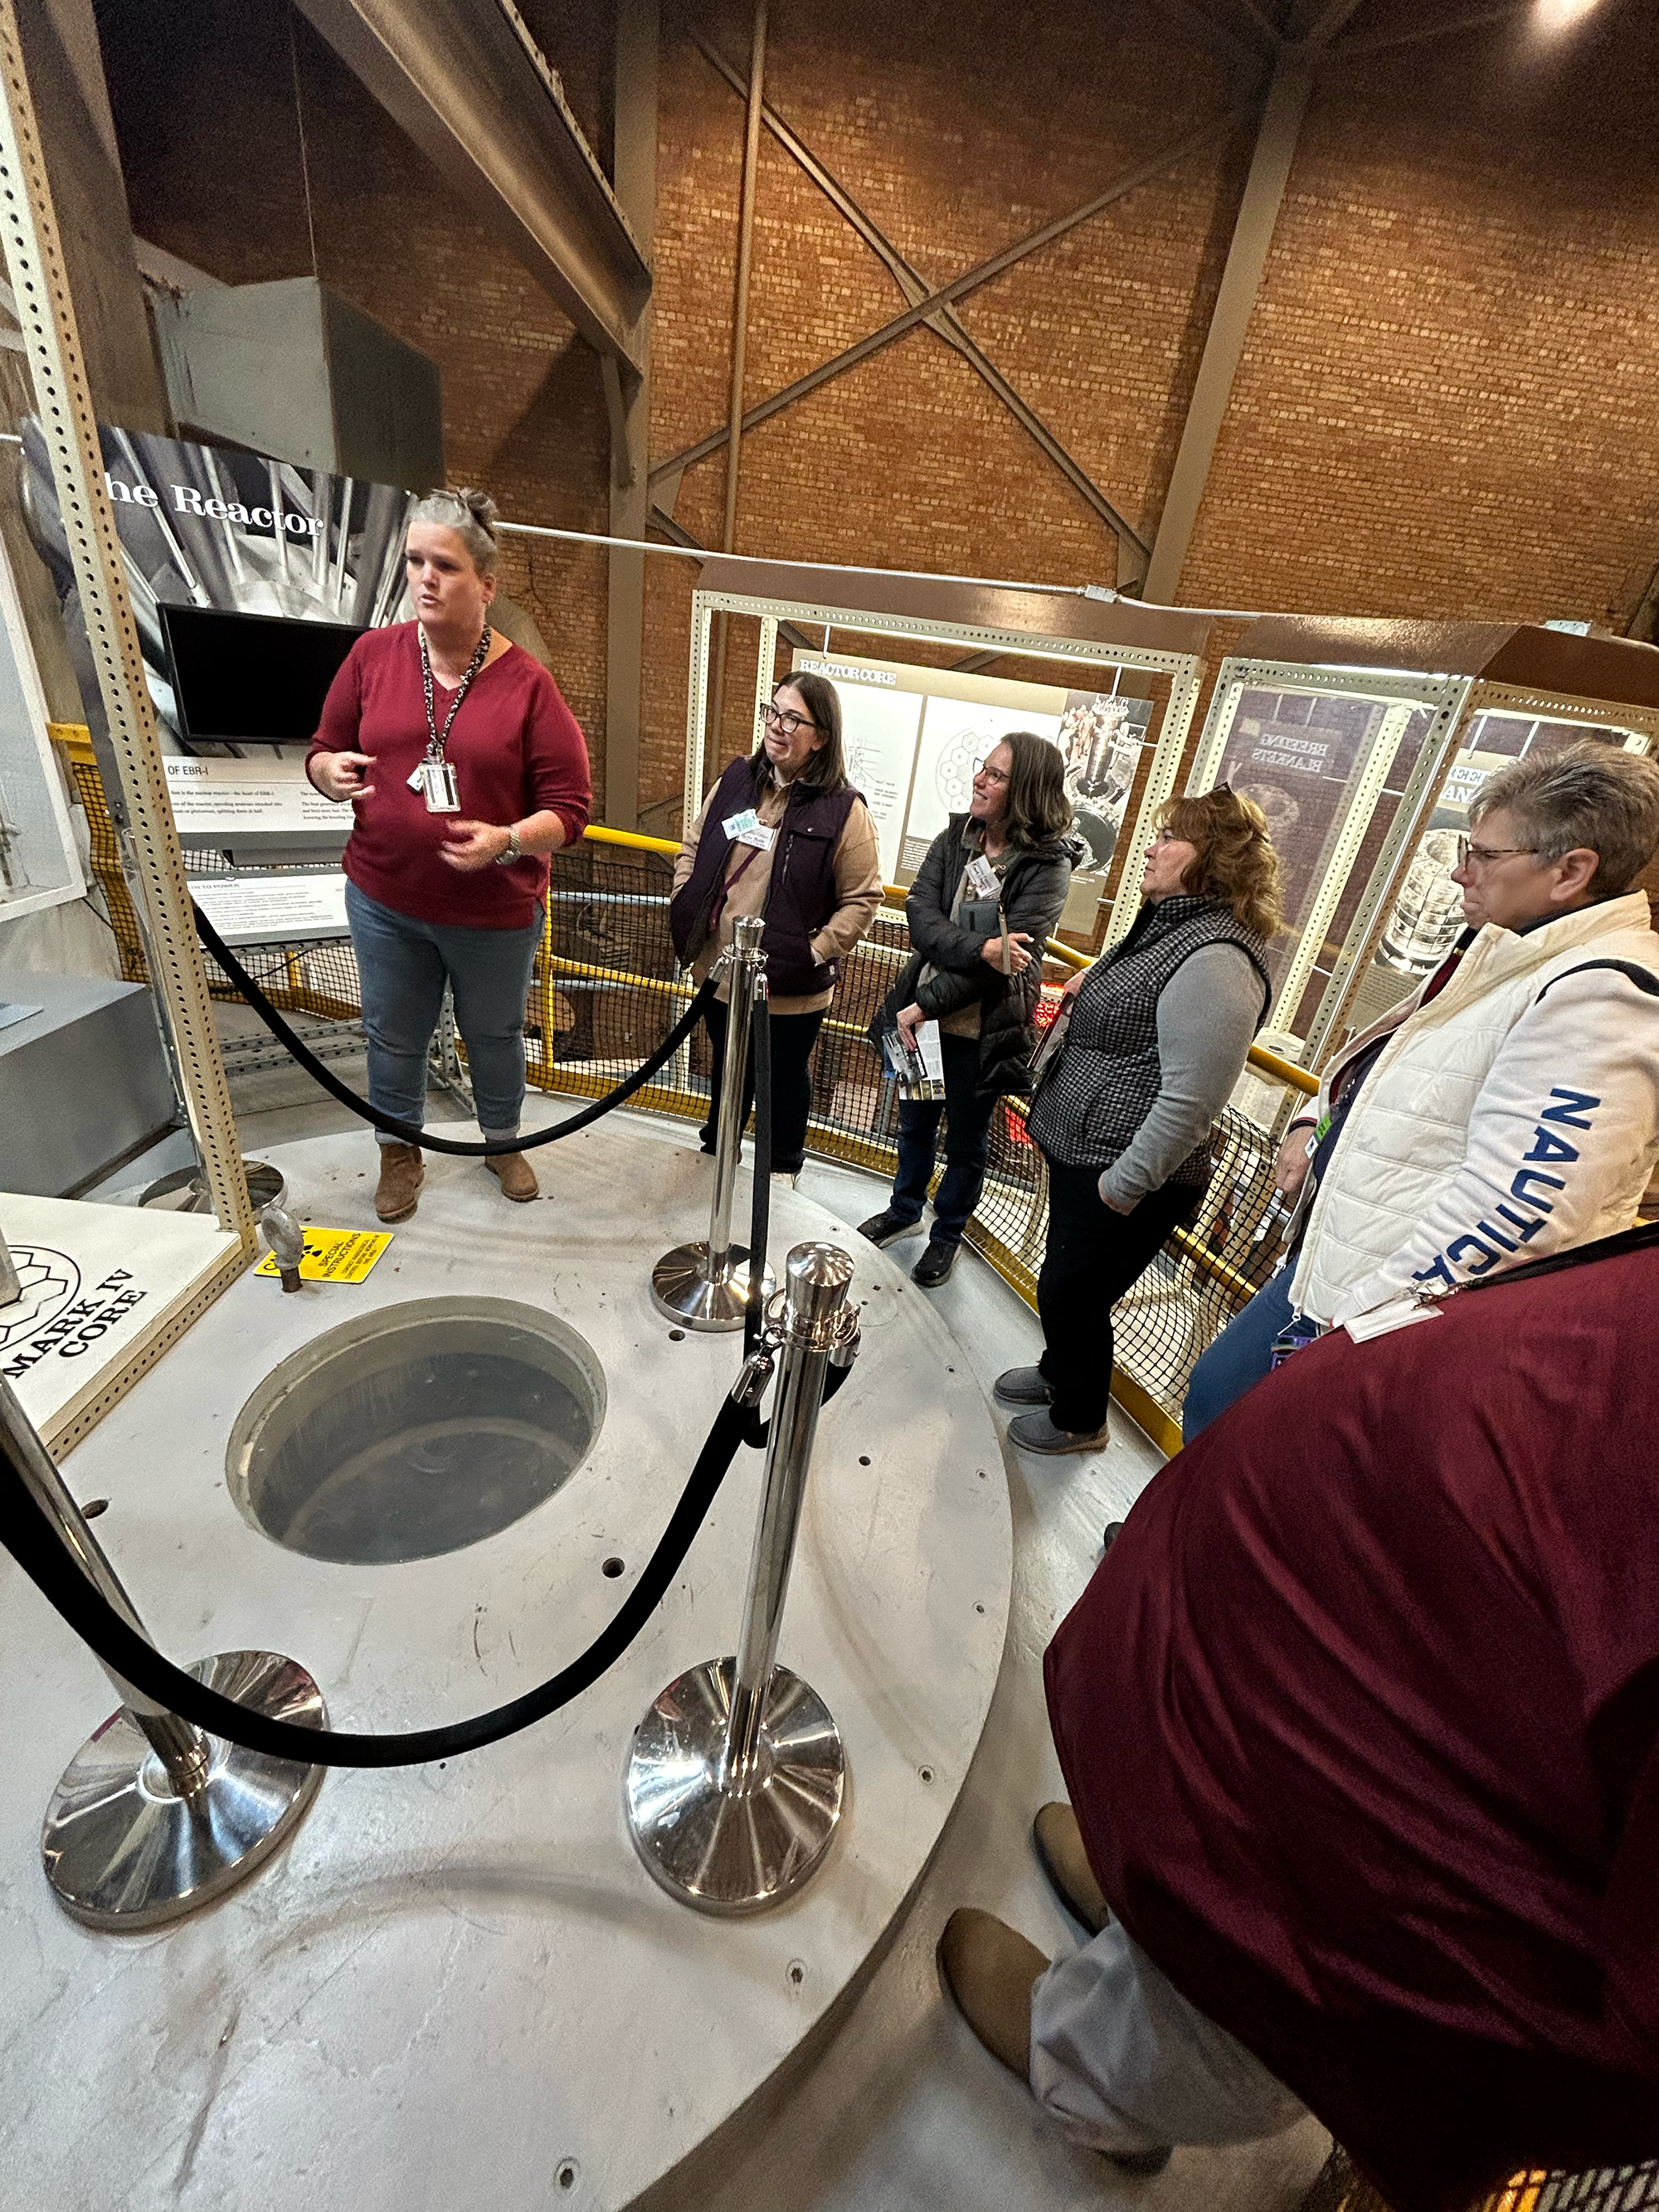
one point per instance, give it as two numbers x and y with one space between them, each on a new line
1206 1016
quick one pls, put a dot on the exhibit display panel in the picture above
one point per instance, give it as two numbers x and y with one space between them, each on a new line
1123 713
1374 909
914 736
250 580
1336 759
1425 913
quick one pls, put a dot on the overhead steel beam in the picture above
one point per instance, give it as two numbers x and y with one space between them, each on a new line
958 289
1218 35
944 322
467 83
634 168
1241 281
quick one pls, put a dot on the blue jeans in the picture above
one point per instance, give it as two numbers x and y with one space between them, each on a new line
1240 1356
403 964
966 1144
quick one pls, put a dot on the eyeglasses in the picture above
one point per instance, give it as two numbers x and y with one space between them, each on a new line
1484 855
785 722
983 768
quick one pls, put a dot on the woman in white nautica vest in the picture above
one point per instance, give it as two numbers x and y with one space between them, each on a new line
1508 1108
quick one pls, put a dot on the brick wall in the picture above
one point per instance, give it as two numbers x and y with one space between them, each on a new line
1447 403
210 141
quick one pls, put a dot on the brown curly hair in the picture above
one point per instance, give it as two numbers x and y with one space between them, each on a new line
1236 861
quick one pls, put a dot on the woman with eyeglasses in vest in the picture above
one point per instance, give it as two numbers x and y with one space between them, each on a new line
783 834
1159 1029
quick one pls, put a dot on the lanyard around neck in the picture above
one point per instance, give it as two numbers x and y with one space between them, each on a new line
436 740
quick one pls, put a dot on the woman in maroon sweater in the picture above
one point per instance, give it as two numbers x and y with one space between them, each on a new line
465 769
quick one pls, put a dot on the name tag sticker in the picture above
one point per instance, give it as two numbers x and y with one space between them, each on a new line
1398 1313
982 878
748 829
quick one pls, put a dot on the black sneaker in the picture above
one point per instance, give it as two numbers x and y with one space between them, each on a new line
886 1228
1113 1530
935 1265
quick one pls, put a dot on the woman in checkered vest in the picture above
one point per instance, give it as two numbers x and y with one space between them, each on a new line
1158 1034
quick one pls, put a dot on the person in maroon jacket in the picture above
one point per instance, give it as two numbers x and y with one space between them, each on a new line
1360 1720
465 769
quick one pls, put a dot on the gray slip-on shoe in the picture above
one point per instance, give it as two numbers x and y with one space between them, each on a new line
1036 1432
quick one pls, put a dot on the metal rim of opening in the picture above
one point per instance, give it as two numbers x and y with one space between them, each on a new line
416 1431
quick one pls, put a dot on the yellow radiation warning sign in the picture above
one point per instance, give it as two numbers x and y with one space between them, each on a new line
335 1255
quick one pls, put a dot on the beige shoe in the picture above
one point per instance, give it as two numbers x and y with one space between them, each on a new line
402 1174
1059 1842
990 1971
515 1175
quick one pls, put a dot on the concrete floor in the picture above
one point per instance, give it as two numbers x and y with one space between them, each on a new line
902 2110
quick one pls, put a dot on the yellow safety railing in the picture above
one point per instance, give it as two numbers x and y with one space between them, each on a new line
1008 1234
1269 1063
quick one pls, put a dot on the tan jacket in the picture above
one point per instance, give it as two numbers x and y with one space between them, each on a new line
858 889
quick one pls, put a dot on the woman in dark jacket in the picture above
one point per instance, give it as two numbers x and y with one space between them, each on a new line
993 886
1159 1030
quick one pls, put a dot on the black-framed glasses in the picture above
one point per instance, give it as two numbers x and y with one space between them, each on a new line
1484 855
785 719
992 775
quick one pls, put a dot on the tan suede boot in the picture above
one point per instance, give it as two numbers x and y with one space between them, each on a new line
402 1174
515 1175
1059 1842
990 1970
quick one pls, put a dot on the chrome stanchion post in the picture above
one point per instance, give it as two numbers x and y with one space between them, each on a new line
706 1285
152 1819
737 1774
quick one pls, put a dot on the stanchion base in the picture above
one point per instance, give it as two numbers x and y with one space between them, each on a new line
123 1852
677 1288
717 1851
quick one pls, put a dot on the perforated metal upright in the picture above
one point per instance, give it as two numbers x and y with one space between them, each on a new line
39 281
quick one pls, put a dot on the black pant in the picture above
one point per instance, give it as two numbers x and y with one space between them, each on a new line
794 1036
967 1114
1091 1258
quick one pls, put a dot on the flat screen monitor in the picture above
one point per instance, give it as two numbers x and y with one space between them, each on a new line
259 679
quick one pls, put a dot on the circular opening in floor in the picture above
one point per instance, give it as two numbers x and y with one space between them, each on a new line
416 1431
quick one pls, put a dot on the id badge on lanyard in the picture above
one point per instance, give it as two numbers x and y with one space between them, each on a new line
435 781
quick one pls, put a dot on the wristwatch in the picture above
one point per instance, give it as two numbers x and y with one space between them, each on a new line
514 851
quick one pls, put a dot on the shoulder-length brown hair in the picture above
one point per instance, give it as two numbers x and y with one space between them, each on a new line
1038 808
826 768
1236 862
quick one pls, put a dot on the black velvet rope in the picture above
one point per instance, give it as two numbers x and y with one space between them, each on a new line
408 1132
27 1532
760 1215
